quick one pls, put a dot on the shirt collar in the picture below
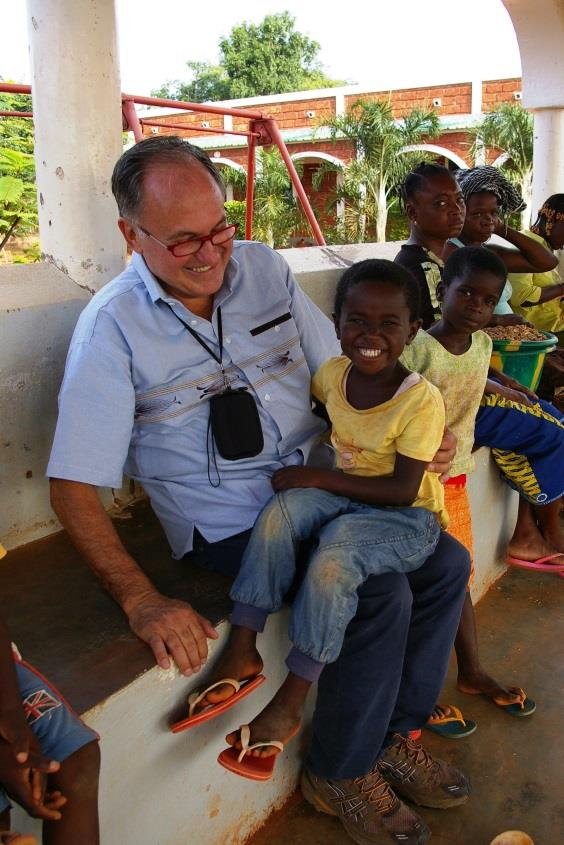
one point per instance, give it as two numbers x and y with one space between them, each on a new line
156 290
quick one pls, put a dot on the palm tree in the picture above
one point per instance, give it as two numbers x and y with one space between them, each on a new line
368 182
509 128
276 212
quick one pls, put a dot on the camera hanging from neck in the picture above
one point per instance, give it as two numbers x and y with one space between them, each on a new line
234 425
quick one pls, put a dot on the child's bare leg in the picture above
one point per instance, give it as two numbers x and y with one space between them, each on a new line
240 660
528 542
471 677
77 779
280 719
550 524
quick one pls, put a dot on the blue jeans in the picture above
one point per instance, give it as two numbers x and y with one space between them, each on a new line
394 659
354 541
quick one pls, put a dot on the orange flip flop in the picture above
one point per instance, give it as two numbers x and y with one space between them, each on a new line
242 689
254 768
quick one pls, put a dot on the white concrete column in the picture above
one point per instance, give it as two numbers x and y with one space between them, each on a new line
548 155
78 135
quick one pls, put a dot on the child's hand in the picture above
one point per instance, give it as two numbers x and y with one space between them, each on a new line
289 477
15 730
517 393
520 388
26 782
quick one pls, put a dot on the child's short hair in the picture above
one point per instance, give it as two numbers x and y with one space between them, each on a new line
416 178
472 259
380 271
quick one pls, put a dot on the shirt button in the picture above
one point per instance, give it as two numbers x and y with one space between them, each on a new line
228 340
276 328
194 322
267 396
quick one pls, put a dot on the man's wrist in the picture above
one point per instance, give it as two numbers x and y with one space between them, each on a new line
134 599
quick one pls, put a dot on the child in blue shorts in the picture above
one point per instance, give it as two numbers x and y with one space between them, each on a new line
49 759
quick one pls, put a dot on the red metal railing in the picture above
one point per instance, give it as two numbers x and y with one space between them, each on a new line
263 130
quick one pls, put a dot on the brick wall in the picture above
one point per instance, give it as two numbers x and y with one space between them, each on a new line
497 91
455 99
292 114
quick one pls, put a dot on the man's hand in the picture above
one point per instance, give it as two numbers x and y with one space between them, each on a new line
26 782
290 477
172 629
445 456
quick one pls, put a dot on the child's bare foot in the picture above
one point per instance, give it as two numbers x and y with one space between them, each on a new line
280 720
486 685
275 722
240 660
533 548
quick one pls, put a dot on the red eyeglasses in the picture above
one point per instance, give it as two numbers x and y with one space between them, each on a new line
192 245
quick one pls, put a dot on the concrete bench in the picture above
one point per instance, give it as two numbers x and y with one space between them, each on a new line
155 788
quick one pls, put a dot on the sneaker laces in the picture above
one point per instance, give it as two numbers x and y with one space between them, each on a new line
376 791
416 754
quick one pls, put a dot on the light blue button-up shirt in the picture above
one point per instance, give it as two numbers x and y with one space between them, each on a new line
134 397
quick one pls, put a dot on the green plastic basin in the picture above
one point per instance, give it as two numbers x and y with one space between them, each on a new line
523 360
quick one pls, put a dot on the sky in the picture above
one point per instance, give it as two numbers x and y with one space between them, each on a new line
382 43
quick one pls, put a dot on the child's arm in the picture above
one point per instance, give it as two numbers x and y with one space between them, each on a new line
399 489
508 387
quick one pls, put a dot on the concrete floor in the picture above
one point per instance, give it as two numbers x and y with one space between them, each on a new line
516 765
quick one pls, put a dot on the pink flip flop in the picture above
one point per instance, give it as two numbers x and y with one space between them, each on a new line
541 564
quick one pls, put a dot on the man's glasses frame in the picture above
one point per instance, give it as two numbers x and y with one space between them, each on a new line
184 248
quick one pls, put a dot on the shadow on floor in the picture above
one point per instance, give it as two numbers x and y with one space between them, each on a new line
516 765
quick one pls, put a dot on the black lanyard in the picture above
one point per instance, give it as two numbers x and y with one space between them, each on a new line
202 342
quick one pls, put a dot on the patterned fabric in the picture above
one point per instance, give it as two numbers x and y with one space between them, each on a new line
475 180
457 504
57 727
367 442
527 443
427 269
460 379
527 287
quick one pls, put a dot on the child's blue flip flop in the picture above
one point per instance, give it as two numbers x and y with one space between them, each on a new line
450 723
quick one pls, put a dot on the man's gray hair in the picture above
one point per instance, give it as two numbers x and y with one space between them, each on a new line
130 168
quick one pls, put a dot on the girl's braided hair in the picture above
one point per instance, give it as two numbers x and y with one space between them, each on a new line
476 180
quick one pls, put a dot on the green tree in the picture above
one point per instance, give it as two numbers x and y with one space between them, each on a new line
255 59
509 128
18 201
369 182
209 82
277 214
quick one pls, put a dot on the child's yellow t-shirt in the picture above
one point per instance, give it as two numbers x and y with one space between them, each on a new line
461 380
366 442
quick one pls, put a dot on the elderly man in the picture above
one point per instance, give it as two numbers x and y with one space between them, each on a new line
195 313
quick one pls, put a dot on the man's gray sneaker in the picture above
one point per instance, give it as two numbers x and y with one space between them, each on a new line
420 778
368 809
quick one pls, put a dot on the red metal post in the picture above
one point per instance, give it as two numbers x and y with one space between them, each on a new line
272 129
130 114
250 187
